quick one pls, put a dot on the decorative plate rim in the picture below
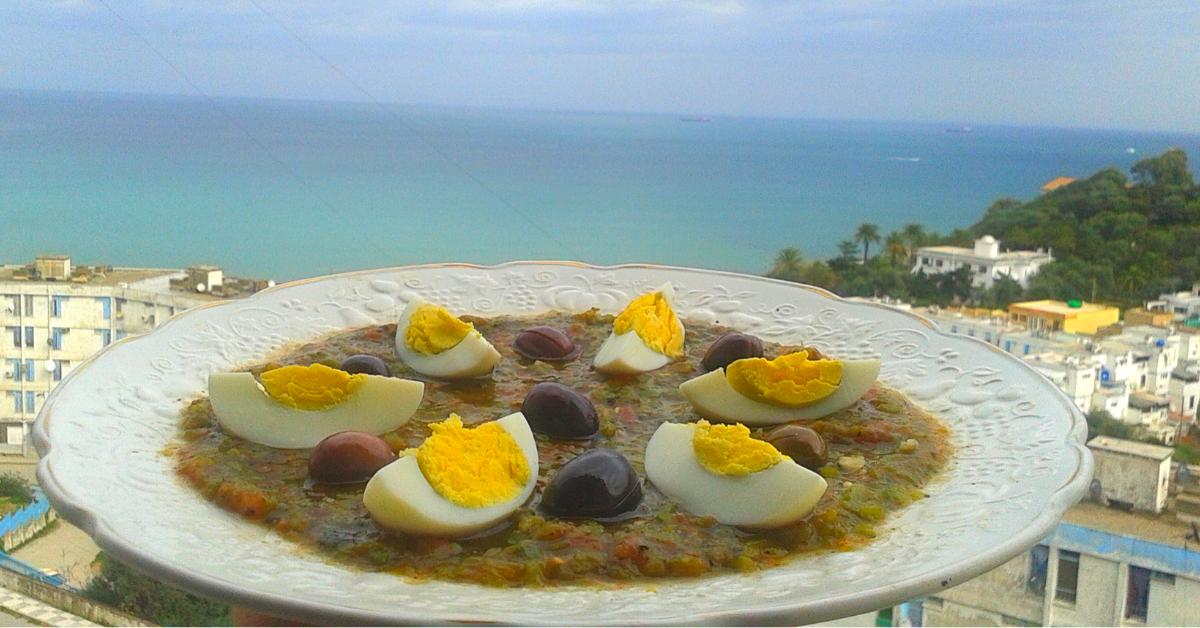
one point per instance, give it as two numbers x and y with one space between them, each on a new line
953 573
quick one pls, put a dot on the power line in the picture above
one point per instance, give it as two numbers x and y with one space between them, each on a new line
324 203
537 225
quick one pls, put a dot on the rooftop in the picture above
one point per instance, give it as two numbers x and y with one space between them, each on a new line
1058 307
1057 182
1133 448
1009 256
95 275
1162 528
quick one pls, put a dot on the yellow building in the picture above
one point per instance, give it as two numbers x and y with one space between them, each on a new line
1075 317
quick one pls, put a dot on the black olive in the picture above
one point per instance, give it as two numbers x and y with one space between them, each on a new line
348 457
597 484
545 343
368 364
559 412
730 348
801 444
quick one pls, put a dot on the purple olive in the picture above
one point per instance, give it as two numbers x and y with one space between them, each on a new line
545 343
597 484
367 364
729 349
559 412
348 457
801 444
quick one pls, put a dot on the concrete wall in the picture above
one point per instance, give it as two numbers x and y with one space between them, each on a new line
1002 589
1132 479
1174 605
68 601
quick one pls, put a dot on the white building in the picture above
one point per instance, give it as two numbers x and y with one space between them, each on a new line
1184 390
986 262
1184 305
55 315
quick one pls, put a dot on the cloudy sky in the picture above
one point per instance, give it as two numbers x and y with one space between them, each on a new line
1094 63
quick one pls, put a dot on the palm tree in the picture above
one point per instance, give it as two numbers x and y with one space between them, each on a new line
895 248
867 233
788 264
914 233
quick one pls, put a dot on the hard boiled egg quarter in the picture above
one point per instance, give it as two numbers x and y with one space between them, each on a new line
646 336
720 471
434 342
298 406
459 481
757 391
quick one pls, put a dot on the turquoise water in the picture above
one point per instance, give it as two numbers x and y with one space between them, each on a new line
286 190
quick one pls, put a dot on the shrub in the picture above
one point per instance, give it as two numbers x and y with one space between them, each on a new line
131 591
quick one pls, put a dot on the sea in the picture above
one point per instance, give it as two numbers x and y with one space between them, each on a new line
285 190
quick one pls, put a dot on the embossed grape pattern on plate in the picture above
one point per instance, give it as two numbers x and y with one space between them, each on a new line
1020 460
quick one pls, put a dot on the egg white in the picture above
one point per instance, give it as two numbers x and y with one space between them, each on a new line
244 408
628 354
400 498
773 497
716 400
471 357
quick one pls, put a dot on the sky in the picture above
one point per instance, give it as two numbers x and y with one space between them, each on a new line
1122 64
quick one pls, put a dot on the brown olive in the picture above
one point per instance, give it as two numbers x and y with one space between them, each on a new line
348 457
545 343
801 444
367 364
730 348
597 484
559 412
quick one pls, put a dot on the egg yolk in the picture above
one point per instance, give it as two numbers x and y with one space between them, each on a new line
433 330
655 323
729 450
315 387
789 380
473 468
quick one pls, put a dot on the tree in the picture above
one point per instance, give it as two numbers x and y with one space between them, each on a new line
1167 169
787 265
914 235
895 248
867 233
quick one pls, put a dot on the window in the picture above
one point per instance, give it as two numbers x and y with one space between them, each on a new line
56 306
30 371
954 329
1137 599
121 333
56 335
971 333
1191 402
16 304
106 304
1035 580
1026 349
29 305
58 369
988 336
28 336
1008 345
16 332
18 402
30 402
17 372
1068 576
105 337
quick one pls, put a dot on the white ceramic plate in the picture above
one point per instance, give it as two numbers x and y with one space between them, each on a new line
1020 461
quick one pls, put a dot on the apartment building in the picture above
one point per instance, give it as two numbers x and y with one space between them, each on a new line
1124 557
55 315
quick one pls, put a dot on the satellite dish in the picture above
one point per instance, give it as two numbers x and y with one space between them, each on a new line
200 287
50 366
270 283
